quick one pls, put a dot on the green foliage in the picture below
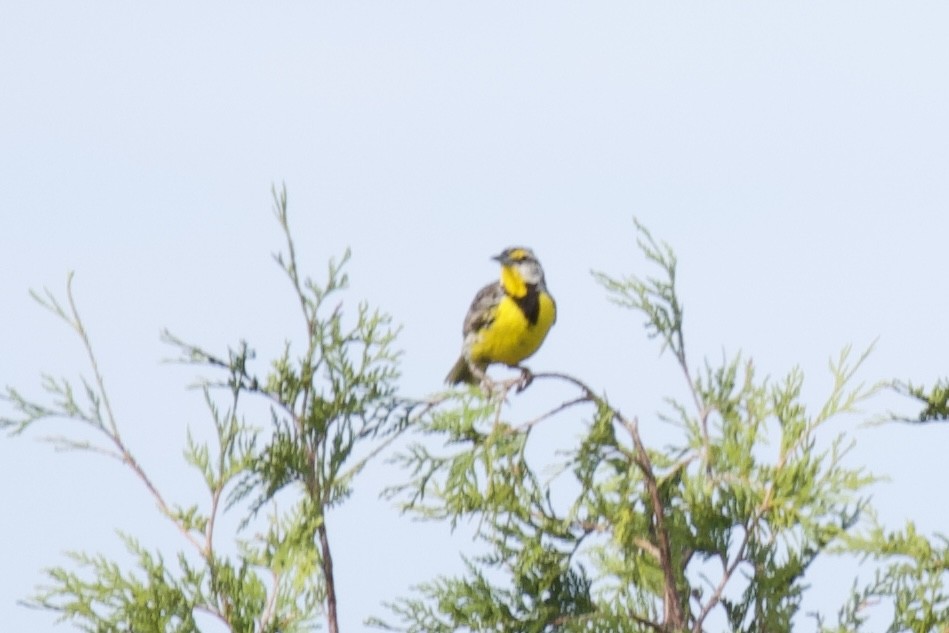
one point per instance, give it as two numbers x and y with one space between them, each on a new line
655 297
915 575
935 401
722 524
717 528
333 408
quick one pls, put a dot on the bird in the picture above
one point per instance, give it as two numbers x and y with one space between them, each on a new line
507 321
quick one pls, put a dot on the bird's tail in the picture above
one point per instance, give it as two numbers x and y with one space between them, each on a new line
460 373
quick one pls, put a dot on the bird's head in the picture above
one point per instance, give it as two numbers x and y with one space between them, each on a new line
519 268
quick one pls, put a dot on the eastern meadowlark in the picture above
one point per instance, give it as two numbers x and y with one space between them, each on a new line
508 319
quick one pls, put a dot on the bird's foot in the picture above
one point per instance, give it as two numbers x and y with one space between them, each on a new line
518 384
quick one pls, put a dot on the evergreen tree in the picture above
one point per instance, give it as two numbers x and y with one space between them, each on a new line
715 531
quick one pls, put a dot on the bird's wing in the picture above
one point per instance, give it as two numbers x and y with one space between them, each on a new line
481 312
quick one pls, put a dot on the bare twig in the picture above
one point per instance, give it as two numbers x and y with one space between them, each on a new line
271 605
326 559
553 412
674 618
726 577
655 626
112 431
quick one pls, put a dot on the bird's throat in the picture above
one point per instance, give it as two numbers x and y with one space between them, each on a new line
512 282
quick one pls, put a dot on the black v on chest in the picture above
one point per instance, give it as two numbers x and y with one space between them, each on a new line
530 303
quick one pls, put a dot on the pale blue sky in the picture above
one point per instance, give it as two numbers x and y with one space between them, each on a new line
794 155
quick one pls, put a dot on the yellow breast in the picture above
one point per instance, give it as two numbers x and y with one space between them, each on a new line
511 338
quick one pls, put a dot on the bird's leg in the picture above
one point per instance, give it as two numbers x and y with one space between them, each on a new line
525 379
484 381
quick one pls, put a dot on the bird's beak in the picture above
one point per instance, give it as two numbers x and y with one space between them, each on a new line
502 258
